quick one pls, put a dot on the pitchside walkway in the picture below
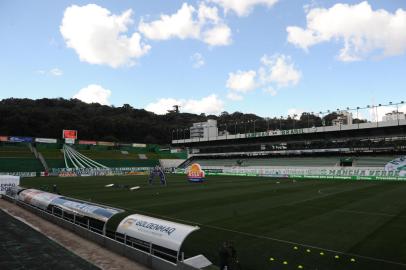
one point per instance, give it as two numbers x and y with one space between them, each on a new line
21 247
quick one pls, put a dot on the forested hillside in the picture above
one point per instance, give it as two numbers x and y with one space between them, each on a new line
48 117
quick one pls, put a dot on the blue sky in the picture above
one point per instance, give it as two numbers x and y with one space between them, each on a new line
267 57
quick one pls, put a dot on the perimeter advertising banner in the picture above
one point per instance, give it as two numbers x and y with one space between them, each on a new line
105 143
7 182
398 164
139 145
45 140
3 138
21 139
160 232
87 142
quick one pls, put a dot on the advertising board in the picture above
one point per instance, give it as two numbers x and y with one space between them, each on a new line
3 138
105 143
69 134
87 142
195 173
398 164
45 140
7 182
20 139
139 145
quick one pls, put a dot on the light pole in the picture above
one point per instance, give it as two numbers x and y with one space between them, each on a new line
397 110
377 116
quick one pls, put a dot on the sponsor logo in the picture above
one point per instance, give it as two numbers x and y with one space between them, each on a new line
195 173
150 226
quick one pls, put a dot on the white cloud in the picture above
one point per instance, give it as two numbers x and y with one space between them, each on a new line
52 72
100 37
242 7
279 69
189 23
209 105
234 96
277 72
181 25
219 35
94 93
41 72
197 60
270 90
56 72
242 81
295 111
380 111
364 31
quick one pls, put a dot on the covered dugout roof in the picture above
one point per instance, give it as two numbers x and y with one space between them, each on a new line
160 232
43 200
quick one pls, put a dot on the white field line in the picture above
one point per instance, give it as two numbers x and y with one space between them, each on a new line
279 240
286 241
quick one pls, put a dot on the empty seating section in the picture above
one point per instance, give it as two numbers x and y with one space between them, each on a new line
113 158
18 158
116 163
293 161
52 154
372 161
363 161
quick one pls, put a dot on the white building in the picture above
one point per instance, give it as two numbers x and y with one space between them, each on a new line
394 116
204 129
344 118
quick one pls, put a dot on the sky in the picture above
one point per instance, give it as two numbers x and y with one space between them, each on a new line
268 57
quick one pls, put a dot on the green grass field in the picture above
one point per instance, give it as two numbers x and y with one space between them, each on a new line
314 224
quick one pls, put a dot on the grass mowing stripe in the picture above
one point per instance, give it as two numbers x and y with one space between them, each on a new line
253 211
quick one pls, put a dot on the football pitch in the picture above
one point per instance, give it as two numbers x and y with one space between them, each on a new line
273 223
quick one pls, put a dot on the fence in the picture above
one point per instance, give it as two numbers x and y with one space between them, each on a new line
358 173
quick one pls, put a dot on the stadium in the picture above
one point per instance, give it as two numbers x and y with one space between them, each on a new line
318 197
203 135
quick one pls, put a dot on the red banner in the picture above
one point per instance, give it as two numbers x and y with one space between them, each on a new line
70 134
3 138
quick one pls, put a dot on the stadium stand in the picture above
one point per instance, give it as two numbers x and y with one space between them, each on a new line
17 157
113 157
317 161
364 145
